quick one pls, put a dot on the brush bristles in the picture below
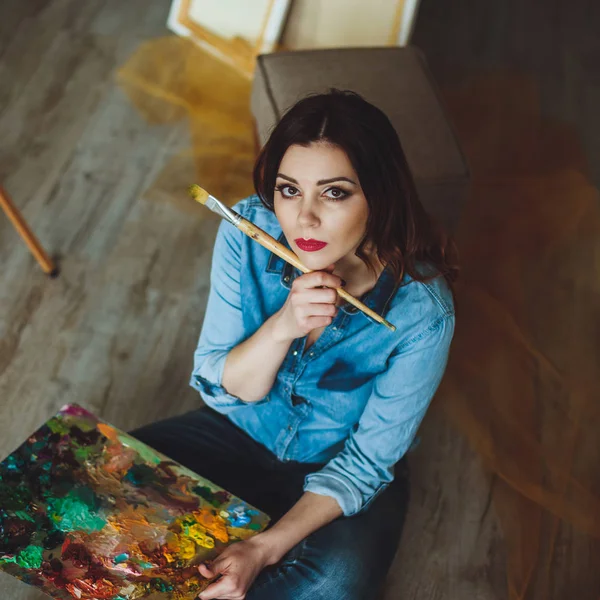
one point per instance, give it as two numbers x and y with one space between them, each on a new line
198 194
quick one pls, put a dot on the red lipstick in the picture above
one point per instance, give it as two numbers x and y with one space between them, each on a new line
309 245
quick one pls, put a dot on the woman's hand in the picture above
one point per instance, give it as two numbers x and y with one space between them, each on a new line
238 565
308 306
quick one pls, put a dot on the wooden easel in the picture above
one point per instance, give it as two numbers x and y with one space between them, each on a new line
23 229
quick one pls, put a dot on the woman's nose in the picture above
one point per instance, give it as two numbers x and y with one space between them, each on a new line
307 217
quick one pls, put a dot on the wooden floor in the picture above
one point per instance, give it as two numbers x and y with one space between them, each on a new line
116 331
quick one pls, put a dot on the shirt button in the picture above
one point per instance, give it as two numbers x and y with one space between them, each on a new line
335 328
295 352
286 279
290 428
312 354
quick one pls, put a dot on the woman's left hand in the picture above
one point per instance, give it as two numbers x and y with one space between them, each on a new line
238 565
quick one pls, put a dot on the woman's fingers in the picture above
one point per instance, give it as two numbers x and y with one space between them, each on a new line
316 279
317 310
314 296
226 587
316 322
229 586
310 304
238 566
205 571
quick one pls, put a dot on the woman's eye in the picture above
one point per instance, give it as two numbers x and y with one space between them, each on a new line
336 194
287 191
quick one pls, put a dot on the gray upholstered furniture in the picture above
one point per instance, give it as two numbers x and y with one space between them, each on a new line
396 80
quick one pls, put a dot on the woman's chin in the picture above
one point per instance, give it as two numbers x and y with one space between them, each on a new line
314 262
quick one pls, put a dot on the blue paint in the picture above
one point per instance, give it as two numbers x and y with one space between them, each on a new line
238 515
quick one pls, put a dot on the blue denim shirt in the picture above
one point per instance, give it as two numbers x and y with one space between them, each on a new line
355 398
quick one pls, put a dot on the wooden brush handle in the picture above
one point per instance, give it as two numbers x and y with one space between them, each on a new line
270 243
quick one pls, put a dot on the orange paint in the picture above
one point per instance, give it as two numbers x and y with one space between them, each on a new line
214 524
108 432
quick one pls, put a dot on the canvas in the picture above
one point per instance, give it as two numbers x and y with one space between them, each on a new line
236 31
89 512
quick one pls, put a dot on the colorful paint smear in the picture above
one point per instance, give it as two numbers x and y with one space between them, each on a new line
89 512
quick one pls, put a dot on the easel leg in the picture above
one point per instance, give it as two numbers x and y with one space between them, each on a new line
23 229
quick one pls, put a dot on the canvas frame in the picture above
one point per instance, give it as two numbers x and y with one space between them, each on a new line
241 56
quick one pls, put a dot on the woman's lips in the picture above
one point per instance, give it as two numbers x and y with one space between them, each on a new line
309 245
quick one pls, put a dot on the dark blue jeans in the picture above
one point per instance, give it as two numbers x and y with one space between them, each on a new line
345 560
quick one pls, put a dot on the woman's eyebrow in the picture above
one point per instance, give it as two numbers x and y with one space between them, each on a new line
324 181
286 177
320 182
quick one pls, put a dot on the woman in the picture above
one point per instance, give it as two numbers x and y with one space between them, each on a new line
311 405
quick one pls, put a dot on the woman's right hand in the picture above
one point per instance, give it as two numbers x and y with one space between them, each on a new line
308 305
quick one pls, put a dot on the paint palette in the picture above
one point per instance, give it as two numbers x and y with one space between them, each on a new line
89 512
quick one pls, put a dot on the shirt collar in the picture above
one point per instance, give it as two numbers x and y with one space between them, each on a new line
377 299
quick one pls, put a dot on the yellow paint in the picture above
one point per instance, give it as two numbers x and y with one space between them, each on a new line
198 194
187 548
239 533
199 535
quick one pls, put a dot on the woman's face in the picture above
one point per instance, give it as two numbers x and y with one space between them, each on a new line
320 205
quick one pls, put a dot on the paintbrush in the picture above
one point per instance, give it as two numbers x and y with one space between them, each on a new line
270 243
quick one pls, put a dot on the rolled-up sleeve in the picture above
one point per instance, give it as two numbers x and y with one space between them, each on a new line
223 326
387 427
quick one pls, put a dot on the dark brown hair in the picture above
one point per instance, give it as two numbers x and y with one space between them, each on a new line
403 233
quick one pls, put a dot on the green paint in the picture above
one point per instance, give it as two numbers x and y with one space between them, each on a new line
36 447
186 524
12 464
76 512
216 499
21 514
146 453
15 499
59 426
141 475
45 480
30 557
254 526
121 558
161 586
83 453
